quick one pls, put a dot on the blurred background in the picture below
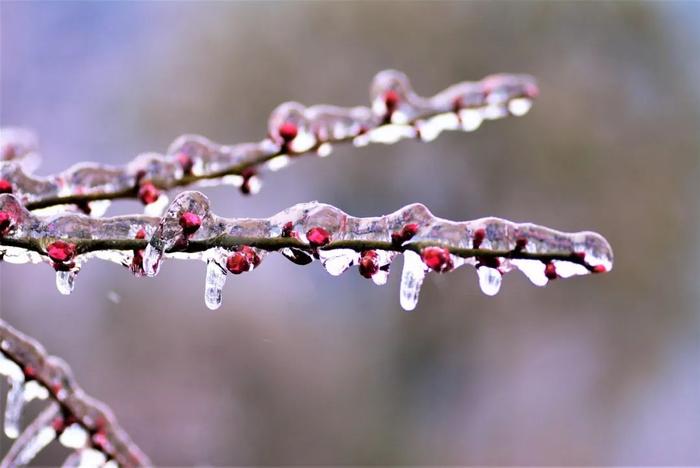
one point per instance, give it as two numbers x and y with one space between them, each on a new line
298 367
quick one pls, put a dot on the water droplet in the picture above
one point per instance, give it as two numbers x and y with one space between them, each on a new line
489 280
215 280
65 281
73 436
114 297
13 408
411 279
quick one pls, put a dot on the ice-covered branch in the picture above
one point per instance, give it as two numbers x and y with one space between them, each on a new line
78 421
396 112
302 233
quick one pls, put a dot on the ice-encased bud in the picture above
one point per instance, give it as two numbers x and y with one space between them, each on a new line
176 225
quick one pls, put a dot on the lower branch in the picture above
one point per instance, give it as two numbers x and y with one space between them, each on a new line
78 421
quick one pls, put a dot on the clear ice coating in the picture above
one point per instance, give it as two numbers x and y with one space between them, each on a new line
74 436
494 246
13 407
396 112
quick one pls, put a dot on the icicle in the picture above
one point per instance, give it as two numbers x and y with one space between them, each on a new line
216 277
489 280
74 436
13 408
34 445
337 261
65 281
411 279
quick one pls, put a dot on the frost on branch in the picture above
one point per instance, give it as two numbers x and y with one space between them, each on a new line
76 420
302 233
396 112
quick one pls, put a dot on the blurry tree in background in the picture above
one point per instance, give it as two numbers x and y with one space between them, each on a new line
601 371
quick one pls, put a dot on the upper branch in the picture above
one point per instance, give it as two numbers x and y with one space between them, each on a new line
301 233
397 112
77 420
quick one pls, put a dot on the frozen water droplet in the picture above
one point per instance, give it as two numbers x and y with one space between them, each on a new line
73 436
13 408
430 129
34 390
568 269
533 269
470 119
489 280
279 162
65 281
519 106
338 260
380 277
325 150
411 279
33 446
213 289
